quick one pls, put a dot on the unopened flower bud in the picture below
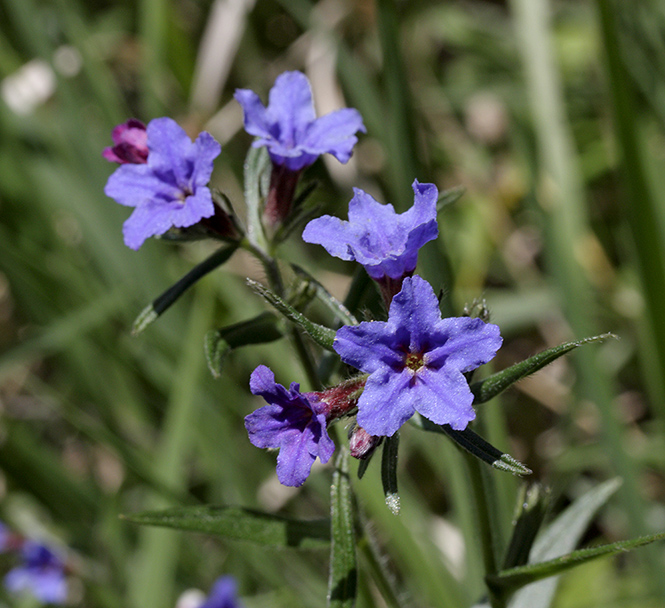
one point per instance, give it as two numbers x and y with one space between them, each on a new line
361 443
342 399
130 144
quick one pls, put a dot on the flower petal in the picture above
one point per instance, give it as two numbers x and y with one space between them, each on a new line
295 460
204 150
148 219
415 310
387 402
170 150
369 346
290 107
444 397
332 233
465 344
334 133
130 185
255 114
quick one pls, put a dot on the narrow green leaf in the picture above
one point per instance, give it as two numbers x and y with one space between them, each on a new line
559 538
533 502
160 304
389 472
240 524
340 311
476 446
218 343
491 386
323 336
257 178
524 575
342 583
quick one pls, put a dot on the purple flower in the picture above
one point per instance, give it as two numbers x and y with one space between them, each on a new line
42 573
294 422
223 594
171 188
384 242
288 127
416 361
130 143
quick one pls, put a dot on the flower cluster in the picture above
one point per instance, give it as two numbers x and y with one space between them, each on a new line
165 176
415 361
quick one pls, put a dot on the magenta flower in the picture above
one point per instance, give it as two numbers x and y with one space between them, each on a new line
130 143
288 127
171 188
223 594
292 421
416 361
42 574
384 242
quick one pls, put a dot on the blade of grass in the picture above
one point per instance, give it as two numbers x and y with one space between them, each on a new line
151 585
641 207
561 193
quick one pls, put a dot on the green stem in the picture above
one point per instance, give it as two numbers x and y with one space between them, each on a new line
484 497
276 283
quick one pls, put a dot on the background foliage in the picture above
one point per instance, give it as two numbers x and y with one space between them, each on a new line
551 114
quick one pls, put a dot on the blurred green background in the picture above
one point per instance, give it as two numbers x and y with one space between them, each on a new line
551 114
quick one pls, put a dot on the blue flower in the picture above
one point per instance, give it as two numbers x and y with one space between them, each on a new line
416 361
42 574
294 422
171 188
223 594
384 242
288 127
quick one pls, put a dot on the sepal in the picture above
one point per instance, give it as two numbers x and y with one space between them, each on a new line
300 214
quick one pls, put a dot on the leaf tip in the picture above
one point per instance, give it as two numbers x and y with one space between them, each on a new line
393 503
147 316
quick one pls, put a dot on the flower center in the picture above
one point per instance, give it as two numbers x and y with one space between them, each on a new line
414 361
183 194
